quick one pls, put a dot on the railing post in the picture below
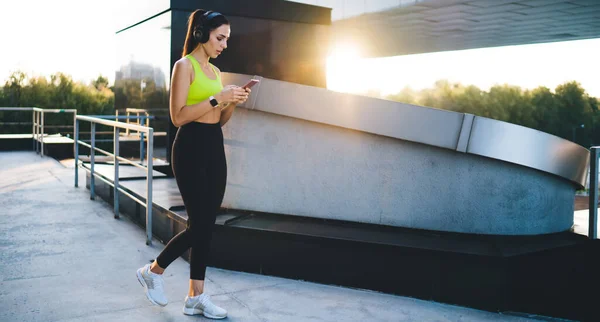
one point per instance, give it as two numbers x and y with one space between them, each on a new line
42 148
33 129
149 188
76 150
116 179
37 131
92 152
142 146
593 195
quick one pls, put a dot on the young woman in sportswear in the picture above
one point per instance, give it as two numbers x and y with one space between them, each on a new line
199 106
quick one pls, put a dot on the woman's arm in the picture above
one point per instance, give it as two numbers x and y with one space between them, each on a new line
227 110
180 85
226 113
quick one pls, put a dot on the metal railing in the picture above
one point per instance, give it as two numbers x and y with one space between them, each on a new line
128 118
139 120
38 120
593 195
116 158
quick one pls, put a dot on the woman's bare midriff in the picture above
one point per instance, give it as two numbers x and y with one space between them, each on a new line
211 117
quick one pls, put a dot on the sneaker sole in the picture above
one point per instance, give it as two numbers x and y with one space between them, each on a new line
188 311
143 283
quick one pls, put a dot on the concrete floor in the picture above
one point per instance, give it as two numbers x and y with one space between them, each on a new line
63 257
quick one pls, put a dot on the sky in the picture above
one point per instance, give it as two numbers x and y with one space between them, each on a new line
528 66
77 37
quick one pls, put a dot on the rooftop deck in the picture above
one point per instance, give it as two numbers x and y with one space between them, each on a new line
65 258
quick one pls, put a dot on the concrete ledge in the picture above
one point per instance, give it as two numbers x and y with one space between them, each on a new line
284 165
300 150
425 125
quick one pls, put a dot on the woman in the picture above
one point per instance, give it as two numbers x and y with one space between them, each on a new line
199 106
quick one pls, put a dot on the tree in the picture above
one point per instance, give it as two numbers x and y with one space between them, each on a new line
100 83
13 88
575 112
406 95
471 100
560 113
58 91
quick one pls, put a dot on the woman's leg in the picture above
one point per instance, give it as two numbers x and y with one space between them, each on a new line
154 268
190 169
150 276
201 239
203 225
200 169
198 302
196 288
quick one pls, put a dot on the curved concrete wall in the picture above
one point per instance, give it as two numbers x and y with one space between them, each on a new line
393 164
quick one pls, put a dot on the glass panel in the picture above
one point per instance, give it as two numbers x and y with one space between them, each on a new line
288 51
142 79
130 12
282 50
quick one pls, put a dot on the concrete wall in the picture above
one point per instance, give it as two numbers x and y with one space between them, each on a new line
419 124
291 166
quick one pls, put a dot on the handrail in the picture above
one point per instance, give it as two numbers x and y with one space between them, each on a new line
129 117
128 126
136 110
593 195
38 123
122 125
116 158
38 135
121 117
140 121
49 110
17 108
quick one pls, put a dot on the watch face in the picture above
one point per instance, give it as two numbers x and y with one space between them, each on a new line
213 102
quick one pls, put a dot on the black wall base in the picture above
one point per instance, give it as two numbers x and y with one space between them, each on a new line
547 279
16 144
57 151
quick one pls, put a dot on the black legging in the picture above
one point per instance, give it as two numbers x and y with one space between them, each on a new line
200 168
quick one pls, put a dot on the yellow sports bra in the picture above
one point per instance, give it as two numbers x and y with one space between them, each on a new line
202 87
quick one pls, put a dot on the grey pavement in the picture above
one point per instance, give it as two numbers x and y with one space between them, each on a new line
63 257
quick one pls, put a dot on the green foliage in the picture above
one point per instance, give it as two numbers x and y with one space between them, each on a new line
562 112
129 94
59 91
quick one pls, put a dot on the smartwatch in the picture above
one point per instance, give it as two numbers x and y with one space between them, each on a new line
213 101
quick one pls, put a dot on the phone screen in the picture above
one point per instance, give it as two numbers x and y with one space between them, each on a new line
251 83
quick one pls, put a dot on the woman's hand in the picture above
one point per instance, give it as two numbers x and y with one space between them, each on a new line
233 94
245 97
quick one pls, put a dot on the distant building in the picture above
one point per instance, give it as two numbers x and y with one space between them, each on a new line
141 71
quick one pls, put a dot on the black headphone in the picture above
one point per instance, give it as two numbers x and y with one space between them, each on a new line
201 33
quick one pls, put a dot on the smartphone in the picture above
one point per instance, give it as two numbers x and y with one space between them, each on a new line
251 83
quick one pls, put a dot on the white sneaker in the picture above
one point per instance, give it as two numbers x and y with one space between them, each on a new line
202 304
153 284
